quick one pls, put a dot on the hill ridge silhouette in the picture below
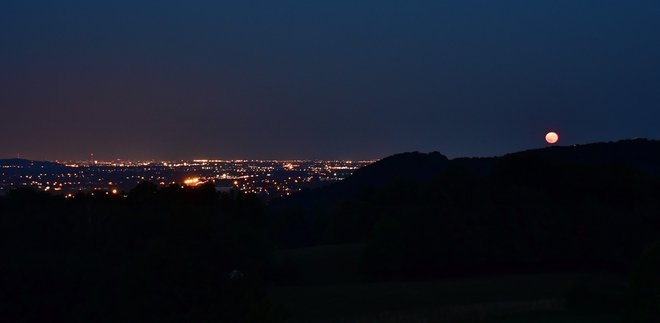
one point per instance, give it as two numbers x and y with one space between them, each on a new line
639 154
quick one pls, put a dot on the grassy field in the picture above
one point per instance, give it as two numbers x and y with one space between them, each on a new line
328 288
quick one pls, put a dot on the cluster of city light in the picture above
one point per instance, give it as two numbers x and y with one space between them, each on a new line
268 177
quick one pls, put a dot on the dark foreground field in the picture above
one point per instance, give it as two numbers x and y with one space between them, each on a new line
332 291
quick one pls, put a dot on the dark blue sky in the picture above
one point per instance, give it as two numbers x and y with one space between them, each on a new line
322 79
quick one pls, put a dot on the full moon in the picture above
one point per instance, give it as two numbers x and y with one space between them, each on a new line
552 137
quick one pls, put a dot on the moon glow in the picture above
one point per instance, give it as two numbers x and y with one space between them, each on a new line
552 137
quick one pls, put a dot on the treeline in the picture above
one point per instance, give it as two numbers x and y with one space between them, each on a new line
171 254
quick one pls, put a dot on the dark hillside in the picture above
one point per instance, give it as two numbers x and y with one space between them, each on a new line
579 206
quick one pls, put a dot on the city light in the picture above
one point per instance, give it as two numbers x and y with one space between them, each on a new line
191 181
266 178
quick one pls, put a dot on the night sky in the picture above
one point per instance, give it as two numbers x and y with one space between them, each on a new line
322 79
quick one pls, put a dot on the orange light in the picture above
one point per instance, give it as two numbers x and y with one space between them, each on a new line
552 137
191 181
114 191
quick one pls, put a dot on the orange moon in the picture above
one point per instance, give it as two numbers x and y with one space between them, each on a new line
552 137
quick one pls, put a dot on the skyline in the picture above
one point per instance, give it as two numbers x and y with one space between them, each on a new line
328 80
550 139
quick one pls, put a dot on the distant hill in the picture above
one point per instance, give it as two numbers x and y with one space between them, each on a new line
412 166
25 162
638 154
28 164
347 211
404 167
